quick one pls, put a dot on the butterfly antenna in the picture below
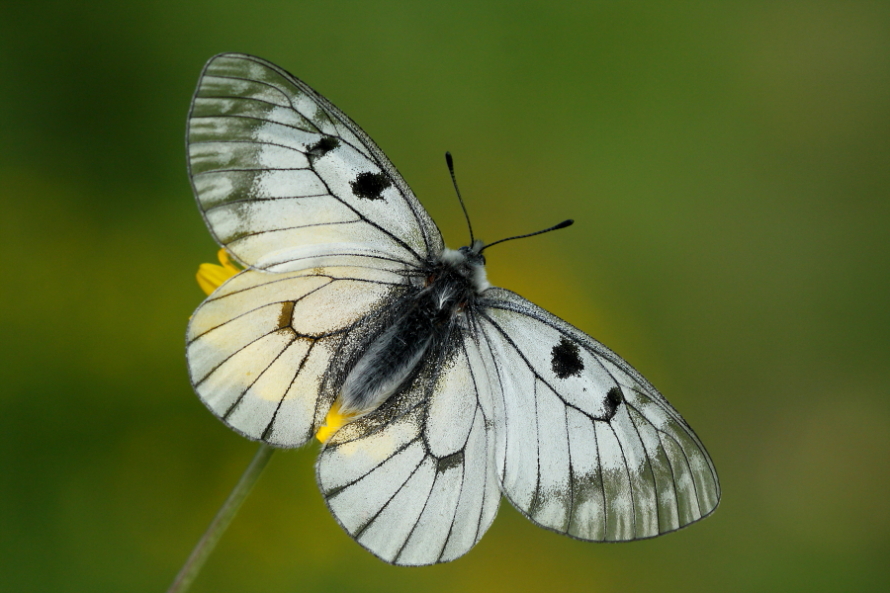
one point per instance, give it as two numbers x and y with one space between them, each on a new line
450 162
561 225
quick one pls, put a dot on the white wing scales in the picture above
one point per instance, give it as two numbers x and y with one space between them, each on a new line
414 482
574 458
258 348
286 181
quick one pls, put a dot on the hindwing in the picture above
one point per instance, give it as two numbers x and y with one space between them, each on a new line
260 346
414 482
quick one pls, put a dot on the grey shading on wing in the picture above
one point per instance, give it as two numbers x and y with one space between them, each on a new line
286 181
258 348
584 445
414 482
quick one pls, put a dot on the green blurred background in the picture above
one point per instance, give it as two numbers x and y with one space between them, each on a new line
728 167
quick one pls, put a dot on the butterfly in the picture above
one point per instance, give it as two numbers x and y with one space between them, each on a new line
457 392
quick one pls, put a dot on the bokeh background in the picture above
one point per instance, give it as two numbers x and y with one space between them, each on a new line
728 167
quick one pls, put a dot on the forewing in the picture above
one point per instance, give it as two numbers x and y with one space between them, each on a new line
259 346
284 178
584 445
414 481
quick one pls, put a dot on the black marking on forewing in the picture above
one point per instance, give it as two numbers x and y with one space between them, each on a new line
598 475
685 446
565 360
396 239
530 367
291 87
597 349
336 114
614 397
322 147
370 186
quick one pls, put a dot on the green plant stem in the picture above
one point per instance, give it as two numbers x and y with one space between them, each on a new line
221 521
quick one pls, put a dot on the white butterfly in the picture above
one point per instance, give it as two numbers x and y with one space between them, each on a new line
462 392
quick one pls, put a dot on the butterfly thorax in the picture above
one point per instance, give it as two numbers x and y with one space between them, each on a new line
418 329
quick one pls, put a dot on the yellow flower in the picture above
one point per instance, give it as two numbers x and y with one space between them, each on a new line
210 276
332 422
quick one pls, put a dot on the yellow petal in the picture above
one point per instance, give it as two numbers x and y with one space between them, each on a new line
210 276
223 256
332 423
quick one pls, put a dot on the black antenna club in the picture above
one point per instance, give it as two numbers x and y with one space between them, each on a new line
556 227
450 162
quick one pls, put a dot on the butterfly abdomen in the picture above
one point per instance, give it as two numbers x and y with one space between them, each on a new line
418 328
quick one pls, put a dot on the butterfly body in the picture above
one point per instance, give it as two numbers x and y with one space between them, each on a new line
461 392
419 325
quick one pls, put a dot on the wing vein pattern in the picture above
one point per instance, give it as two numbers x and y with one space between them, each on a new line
616 462
345 272
258 135
414 482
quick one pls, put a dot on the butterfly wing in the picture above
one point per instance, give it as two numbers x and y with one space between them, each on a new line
584 445
258 348
286 181
414 482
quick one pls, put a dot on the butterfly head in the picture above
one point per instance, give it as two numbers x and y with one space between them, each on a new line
473 253
469 262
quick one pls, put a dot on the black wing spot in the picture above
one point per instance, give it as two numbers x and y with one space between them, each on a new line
369 186
613 399
566 361
322 147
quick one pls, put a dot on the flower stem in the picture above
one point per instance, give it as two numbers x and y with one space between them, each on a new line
221 521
